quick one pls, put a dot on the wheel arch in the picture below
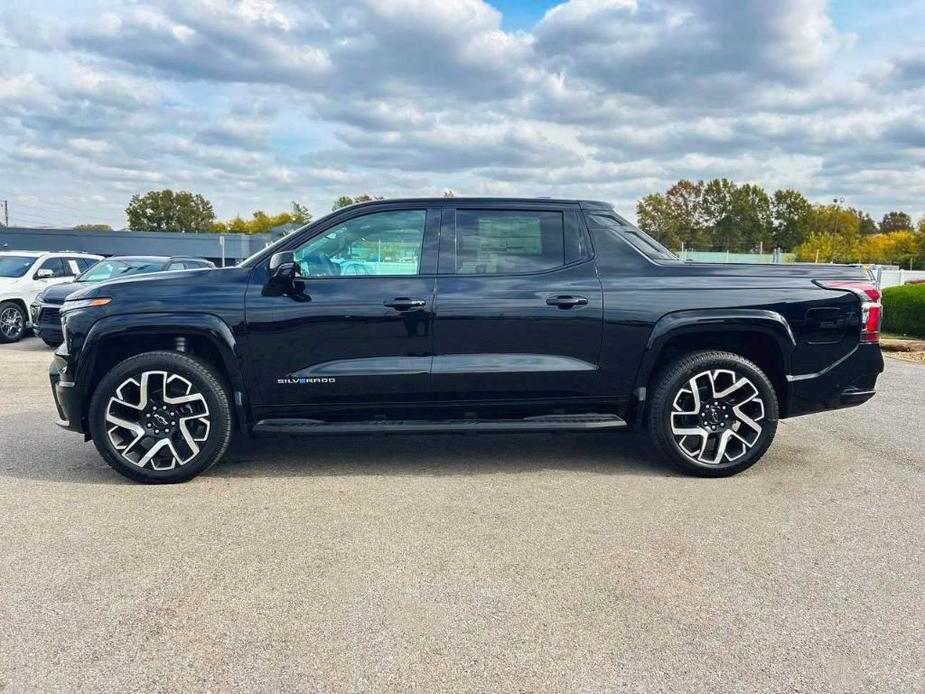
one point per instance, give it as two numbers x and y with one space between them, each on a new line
21 303
762 336
115 338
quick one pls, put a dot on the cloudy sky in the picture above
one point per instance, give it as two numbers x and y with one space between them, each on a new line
258 102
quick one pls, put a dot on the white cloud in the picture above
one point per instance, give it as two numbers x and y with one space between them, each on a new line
258 102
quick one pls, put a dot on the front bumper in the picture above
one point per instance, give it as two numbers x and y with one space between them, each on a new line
848 382
66 395
46 320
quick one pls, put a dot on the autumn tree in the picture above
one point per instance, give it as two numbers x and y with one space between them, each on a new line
262 223
165 210
833 236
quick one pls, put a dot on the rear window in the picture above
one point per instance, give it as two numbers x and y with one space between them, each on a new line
508 241
640 240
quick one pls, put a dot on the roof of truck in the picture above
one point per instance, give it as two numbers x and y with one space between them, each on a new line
489 201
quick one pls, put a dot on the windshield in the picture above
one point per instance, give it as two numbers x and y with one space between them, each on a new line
640 240
108 269
15 265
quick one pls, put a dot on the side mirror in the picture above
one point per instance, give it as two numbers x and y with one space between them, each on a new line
44 274
283 267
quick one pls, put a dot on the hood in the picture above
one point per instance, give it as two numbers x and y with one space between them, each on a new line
160 290
57 293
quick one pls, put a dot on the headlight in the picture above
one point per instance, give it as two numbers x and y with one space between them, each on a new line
40 298
83 303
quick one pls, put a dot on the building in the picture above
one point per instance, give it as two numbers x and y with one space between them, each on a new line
231 248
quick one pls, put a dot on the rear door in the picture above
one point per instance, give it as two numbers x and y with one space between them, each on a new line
519 305
358 328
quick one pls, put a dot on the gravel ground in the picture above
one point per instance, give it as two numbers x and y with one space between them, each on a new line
494 563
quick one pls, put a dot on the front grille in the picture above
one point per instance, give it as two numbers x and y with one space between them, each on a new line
50 315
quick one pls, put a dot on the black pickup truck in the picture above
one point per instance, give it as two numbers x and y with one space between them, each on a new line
463 315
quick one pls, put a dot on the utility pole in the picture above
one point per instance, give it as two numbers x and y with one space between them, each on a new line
6 213
837 201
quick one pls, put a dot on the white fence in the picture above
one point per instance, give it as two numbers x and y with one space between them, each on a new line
895 278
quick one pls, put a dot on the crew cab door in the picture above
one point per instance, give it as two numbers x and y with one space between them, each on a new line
356 326
519 306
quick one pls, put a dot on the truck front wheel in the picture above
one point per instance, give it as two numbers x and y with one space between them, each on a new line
712 414
161 417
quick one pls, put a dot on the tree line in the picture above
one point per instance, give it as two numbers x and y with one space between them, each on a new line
714 215
185 212
720 215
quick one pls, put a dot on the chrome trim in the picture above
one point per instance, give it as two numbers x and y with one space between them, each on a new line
805 377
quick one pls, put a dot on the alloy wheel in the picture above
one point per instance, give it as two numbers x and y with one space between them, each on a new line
716 417
157 420
11 323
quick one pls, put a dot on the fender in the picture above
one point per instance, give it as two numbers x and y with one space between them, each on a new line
206 325
720 320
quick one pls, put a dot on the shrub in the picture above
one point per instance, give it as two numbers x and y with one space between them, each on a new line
904 309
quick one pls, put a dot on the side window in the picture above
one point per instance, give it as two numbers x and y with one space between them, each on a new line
382 243
58 267
176 266
641 241
84 263
508 241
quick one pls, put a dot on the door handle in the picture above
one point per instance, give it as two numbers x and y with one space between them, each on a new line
567 301
403 303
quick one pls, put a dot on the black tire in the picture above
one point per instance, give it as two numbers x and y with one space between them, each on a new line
52 342
12 322
217 422
673 401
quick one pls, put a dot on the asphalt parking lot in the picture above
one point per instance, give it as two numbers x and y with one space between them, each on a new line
495 563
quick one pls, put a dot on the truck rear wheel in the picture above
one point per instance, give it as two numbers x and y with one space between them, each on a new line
712 414
161 417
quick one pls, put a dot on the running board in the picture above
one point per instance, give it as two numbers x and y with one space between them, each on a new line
556 422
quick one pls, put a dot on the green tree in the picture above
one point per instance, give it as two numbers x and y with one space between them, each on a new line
345 201
342 201
684 201
165 210
753 220
895 221
300 213
654 217
93 227
719 213
866 224
791 212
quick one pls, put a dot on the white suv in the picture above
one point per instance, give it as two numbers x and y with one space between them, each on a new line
23 274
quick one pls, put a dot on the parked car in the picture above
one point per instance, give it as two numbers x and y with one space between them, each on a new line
513 315
46 321
23 274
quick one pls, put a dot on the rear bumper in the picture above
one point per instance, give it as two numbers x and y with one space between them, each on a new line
66 396
848 382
